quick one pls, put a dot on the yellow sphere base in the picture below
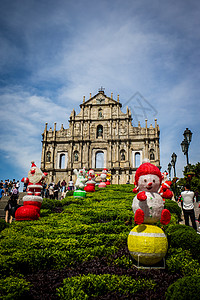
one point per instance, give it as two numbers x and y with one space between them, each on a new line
147 244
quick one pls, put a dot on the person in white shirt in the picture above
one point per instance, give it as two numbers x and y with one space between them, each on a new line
188 206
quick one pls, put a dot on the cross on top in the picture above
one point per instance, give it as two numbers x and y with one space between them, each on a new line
101 89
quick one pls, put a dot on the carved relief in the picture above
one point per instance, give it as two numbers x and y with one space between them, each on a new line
122 128
114 111
77 129
85 129
86 112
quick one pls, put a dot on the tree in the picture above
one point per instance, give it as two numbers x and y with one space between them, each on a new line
191 176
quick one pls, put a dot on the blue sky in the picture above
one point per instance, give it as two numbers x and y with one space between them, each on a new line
55 52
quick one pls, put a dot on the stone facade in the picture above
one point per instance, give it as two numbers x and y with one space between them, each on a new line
100 136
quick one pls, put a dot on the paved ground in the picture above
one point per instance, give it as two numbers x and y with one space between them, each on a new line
197 212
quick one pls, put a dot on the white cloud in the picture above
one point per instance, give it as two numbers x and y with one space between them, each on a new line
66 50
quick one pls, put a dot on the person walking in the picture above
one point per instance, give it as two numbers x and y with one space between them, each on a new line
1 192
188 206
11 206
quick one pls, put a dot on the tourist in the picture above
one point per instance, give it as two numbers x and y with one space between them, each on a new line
5 186
18 185
63 185
51 191
56 191
188 206
1 192
71 185
11 206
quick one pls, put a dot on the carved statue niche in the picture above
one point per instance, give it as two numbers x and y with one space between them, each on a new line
85 129
77 129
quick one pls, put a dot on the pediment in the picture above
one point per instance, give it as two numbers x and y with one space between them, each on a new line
100 99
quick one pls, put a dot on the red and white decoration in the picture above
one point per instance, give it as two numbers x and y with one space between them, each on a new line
32 201
90 184
148 205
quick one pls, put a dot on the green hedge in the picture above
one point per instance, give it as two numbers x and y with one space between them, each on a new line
186 288
185 237
3 225
87 286
173 207
181 261
14 288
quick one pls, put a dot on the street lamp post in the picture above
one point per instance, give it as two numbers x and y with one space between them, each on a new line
169 170
186 143
173 162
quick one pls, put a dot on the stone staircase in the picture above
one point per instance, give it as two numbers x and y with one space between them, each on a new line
4 201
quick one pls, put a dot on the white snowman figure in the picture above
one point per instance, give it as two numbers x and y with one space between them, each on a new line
81 178
148 206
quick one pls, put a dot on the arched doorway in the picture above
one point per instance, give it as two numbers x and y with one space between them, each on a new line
137 159
62 161
99 160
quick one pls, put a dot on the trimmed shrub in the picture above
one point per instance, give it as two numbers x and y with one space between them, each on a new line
14 288
173 207
87 286
186 288
185 237
179 260
3 225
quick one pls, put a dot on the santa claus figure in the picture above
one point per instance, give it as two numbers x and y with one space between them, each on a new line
32 201
148 205
34 180
165 191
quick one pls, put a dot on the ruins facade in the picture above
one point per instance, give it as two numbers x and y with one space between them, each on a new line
99 136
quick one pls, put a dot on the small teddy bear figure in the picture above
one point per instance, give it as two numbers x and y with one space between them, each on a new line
81 178
148 205
104 174
90 184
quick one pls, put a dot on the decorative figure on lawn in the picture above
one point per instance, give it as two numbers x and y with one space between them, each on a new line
80 183
148 205
147 242
32 201
165 191
103 176
90 184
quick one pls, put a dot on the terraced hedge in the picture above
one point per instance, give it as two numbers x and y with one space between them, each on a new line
74 241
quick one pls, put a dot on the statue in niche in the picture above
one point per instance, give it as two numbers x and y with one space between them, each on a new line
48 157
100 114
122 155
152 156
76 156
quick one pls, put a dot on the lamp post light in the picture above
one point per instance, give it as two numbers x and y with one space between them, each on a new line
173 162
169 170
186 143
